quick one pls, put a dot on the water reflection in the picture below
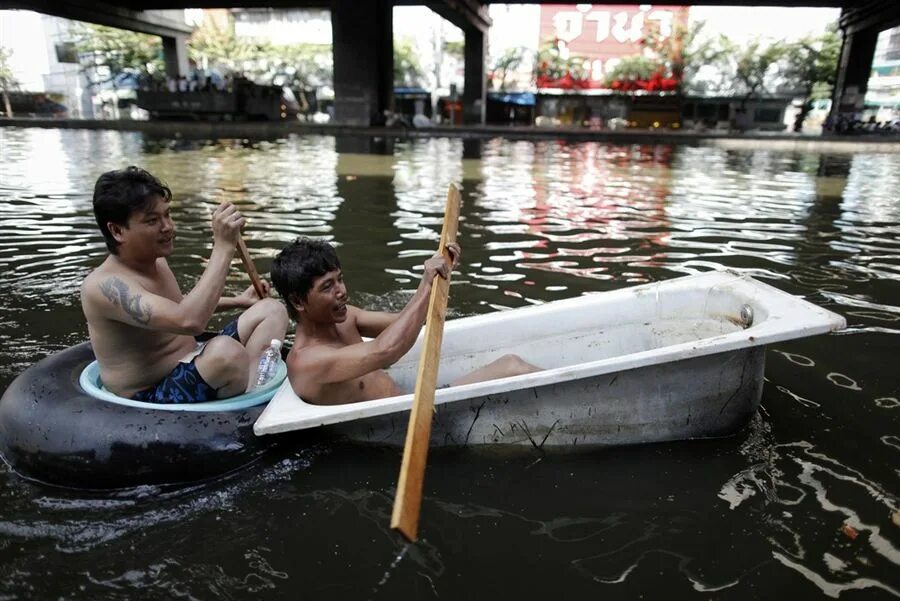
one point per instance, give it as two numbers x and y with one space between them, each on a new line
764 514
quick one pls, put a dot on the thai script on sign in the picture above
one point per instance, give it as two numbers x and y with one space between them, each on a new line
624 25
603 34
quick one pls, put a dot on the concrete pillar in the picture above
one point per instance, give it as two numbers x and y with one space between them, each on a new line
854 69
363 50
175 55
474 86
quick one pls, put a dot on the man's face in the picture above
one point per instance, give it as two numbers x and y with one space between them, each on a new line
327 299
151 231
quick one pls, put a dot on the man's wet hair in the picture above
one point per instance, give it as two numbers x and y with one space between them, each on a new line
298 265
119 193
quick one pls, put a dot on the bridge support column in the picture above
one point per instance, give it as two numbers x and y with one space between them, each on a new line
363 51
474 88
854 69
175 55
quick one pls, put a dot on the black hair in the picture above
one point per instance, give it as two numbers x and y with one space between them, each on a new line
119 193
298 265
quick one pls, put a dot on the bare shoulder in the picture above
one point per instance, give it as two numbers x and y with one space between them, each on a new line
107 285
302 356
353 314
304 368
103 277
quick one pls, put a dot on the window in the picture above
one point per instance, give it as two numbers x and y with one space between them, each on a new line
705 111
66 53
767 116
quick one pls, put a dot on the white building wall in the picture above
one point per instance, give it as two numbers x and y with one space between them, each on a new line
32 38
427 30
515 26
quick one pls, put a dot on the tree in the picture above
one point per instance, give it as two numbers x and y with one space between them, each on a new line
8 81
407 69
299 66
553 67
747 70
632 68
697 51
455 49
106 51
665 62
220 47
307 65
810 69
505 64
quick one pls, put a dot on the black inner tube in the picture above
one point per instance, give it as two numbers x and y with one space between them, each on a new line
53 432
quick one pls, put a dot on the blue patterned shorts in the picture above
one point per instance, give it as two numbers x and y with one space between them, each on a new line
185 384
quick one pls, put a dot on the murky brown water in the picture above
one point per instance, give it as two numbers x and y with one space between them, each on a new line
759 515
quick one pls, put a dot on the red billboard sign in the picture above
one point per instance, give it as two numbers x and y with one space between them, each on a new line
598 36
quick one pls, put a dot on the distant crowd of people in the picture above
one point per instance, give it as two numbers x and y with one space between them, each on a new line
851 123
197 81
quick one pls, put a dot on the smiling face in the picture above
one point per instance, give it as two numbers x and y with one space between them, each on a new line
326 300
149 233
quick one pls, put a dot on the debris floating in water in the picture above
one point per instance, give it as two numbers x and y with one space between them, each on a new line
850 531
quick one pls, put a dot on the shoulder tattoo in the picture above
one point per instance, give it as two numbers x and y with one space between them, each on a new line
118 293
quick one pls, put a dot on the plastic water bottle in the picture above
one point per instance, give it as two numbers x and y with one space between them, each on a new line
268 363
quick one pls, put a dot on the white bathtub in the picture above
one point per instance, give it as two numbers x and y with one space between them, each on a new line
671 360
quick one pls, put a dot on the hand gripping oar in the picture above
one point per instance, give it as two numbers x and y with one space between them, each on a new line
408 501
250 267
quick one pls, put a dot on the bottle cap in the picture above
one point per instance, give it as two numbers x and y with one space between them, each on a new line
276 343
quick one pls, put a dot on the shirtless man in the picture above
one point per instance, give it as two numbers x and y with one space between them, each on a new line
141 326
330 363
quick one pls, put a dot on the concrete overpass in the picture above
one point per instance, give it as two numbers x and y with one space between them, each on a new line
362 34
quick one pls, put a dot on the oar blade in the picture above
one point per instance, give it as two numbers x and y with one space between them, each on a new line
408 502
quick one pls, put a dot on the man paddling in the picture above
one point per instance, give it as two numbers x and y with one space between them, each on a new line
141 326
330 363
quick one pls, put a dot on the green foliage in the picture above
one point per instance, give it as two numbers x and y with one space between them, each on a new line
8 81
219 47
807 67
679 56
748 70
407 69
107 51
810 64
550 63
697 52
302 65
455 49
633 67
506 63
810 69
309 65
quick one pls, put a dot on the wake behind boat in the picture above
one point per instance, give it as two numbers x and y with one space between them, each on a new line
671 360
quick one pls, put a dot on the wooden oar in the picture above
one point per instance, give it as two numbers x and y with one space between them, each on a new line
250 267
408 501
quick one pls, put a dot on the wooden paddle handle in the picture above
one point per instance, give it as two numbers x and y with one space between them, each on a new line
251 268
408 502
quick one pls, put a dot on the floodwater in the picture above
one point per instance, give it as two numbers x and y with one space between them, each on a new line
799 505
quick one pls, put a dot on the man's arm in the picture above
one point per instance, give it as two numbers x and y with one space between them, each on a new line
124 299
327 365
244 300
372 323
